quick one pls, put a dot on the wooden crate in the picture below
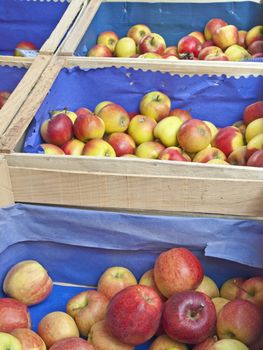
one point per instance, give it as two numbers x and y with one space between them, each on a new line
6 193
127 184
77 37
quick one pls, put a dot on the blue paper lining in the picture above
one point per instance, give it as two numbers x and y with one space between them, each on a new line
218 99
10 77
76 246
22 20
171 20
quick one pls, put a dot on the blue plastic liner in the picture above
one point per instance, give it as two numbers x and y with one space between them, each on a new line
218 99
23 20
10 77
171 20
76 246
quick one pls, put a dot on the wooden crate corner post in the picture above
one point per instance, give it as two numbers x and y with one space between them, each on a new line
6 193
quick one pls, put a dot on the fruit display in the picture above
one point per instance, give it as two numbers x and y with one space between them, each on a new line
157 131
219 41
174 305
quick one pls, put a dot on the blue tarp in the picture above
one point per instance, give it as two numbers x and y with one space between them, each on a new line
218 99
10 77
77 245
23 20
171 20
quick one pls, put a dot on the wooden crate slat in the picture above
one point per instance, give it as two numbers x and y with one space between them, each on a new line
6 193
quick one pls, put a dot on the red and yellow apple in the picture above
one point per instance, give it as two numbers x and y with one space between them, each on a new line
252 112
98 148
254 34
73 343
99 51
115 118
109 39
149 149
28 339
225 36
256 159
4 95
230 288
219 303
73 147
175 154
14 315
228 139
138 32
88 126
57 130
152 42
9 342
155 105
237 53
121 143
238 156
163 342
48 148
141 129
207 154
212 25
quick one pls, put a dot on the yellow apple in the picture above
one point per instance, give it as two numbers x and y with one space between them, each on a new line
212 128
219 303
208 287
125 47
155 105
100 105
98 148
254 128
166 130
141 129
9 342
149 150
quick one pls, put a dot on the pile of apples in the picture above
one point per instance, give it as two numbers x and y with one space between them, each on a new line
156 132
174 302
220 41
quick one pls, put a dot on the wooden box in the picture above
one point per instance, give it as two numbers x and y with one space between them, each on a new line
126 184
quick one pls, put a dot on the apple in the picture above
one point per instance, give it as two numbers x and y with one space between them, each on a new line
174 153
220 57
228 139
258 55
237 53
138 32
206 344
242 38
122 143
101 105
141 128
57 130
73 147
208 51
29 339
229 344
238 156
70 114
115 279
189 45
189 317
4 95
150 55
171 50
98 148
212 128
241 320
241 126
256 159
219 303
212 26
208 287
133 315
83 111
254 34
101 339
198 35
9 342
217 161
163 342
254 145
28 282
256 47
207 154
56 326
252 112
208 43
48 148
149 149
125 47
177 270
254 128
181 113
194 135
72 344
108 39
230 288
152 42
147 279
88 126
258 345
99 50
166 130
14 315
87 308
24 45
252 290
155 105
226 36
169 56
115 117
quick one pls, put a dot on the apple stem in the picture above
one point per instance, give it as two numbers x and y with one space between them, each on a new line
158 98
152 41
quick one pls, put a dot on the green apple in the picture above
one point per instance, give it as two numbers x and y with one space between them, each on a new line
125 47
208 287
229 344
237 53
166 130
9 342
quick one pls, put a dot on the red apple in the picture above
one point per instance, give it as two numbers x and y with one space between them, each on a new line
115 117
199 36
150 55
114 279
171 50
152 43
194 135
225 36
254 34
88 126
169 56
208 43
207 154
57 130
252 290
155 105
256 159
206 344
29 339
24 45
221 57
101 339
4 95
122 143
181 113
141 128
174 153
240 320
48 148
256 47
72 344
108 39
228 139
242 38
56 326
177 270
99 51
208 51
150 150
134 314
84 111
258 55
189 317
138 32
87 308
252 112
189 45
98 148
238 156
73 147
163 342
212 26
230 288
14 315
258 345
28 282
